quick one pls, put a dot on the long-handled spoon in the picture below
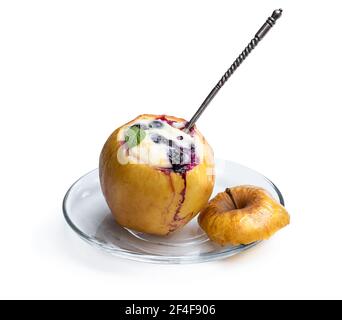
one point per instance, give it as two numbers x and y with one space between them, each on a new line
270 22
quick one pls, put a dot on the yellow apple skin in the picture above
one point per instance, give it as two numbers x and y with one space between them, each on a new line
254 216
150 200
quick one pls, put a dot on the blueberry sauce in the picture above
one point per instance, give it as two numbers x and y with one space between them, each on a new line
192 131
176 218
163 118
181 159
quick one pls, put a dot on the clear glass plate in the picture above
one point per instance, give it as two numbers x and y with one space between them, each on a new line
87 213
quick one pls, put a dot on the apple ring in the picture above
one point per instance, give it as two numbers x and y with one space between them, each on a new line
242 215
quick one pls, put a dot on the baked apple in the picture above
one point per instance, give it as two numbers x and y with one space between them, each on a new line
242 215
154 175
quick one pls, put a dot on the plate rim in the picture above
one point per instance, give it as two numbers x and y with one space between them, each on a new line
160 259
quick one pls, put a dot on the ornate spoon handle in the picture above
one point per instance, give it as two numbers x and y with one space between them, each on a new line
270 22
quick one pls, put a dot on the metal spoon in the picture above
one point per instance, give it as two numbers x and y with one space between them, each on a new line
270 22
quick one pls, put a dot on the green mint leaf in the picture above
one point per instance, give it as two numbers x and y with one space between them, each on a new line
134 136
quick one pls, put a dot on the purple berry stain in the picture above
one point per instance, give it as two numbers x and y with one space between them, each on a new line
182 160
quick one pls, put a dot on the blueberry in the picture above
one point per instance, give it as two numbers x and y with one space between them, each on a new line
156 138
180 138
156 124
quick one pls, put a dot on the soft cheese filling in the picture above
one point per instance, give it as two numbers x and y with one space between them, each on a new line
160 143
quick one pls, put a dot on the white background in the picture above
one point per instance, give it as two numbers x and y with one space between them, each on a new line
73 71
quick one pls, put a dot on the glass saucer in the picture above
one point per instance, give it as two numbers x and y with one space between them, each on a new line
87 213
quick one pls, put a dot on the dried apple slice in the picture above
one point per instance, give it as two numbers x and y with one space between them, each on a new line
242 215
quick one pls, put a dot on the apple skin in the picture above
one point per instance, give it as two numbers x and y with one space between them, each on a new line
257 216
150 200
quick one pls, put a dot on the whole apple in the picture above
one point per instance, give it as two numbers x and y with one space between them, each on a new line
154 175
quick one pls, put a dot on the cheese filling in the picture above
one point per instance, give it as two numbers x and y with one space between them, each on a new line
160 143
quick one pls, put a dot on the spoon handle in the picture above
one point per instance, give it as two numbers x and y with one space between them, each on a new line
270 22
